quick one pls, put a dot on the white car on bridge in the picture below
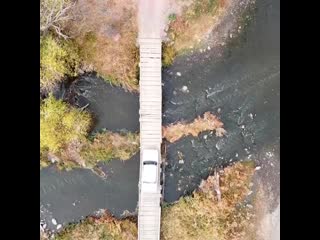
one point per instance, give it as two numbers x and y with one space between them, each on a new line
150 171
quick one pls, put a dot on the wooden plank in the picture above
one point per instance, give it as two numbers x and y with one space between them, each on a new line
145 74
151 104
150 48
150 51
144 65
151 60
152 82
150 136
147 91
150 113
150 41
148 96
151 108
157 43
148 140
150 54
150 69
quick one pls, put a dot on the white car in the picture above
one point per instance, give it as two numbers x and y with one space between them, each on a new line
150 172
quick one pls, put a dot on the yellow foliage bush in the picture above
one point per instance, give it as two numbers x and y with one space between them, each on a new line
61 124
58 58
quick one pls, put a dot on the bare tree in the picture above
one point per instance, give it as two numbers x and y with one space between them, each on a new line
53 13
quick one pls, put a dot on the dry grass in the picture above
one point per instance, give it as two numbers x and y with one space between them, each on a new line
103 228
189 28
195 22
44 236
106 31
174 132
108 145
202 217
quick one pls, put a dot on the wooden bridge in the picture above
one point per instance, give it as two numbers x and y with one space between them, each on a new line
149 209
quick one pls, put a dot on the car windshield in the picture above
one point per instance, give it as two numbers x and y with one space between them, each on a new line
150 155
149 162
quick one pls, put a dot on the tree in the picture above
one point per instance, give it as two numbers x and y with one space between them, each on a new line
53 13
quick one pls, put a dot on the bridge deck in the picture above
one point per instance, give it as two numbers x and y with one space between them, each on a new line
150 132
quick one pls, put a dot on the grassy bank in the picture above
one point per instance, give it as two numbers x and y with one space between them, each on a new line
188 29
106 33
108 145
102 228
199 216
202 216
64 138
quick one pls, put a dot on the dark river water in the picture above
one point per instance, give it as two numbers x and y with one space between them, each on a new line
242 87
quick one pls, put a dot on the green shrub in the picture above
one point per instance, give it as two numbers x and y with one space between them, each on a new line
61 124
58 58
168 55
172 17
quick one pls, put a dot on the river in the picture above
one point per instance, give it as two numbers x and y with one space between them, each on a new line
241 86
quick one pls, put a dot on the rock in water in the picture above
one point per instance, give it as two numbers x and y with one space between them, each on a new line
54 222
185 89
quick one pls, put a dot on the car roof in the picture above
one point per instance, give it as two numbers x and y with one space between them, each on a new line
149 173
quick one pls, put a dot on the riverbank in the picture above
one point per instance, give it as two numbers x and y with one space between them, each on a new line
218 206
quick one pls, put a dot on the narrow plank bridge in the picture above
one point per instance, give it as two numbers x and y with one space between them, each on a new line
149 208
